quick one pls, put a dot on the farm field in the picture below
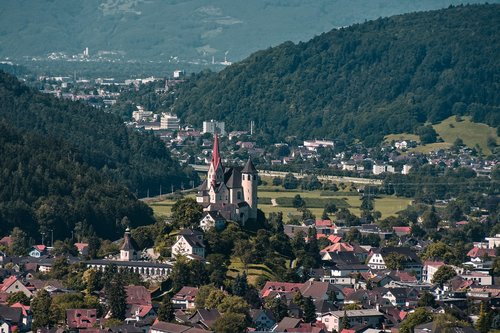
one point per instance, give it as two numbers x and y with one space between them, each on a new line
315 200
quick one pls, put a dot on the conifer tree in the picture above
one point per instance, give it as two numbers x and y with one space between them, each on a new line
240 285
482 324
166 310
309 310
117 297
40 306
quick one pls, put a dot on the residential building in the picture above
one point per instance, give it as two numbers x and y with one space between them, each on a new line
212 220
81 318
333 320
214 127
185 297
169 121
189 242
410 263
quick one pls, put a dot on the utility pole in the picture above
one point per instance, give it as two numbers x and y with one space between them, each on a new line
51 237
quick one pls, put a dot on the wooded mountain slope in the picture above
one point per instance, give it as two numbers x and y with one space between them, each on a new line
385 76
65 162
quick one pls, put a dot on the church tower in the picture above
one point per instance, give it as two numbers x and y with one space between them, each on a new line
215 172
249 184
128 251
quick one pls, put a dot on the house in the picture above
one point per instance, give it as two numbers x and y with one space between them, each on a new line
81 318
357 250
318 290
401 296
11 319
83 248
481 252
272 288
289 324
263 319
164 327
402 231
333 320
410 261
38 250
139 306
185 297
480 278
13 285
189 242
204 317
26 314
429 269
6 241
432 327
212 220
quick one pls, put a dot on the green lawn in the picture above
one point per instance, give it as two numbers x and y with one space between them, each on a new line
471 133
449 130
253 271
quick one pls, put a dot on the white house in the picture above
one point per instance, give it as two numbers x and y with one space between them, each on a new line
189 242
212 220
333 319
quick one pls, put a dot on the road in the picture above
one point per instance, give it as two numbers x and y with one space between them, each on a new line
269 173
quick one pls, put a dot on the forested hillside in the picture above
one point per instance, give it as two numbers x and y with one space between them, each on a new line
64 162
385 76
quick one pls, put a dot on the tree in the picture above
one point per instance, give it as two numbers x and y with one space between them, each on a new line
60 268
430 219
166 311
187 213
330 207
427 299
240 285
290 182
233 304
309 310
202 295
298 202
91 279
345 322
277 307
420 316
443 274
427 134
214 299
117 297
40 306
367 203
439 251
394 260
230 323
483 324
18 297
19 245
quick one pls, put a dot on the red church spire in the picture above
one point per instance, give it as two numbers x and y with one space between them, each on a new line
215 158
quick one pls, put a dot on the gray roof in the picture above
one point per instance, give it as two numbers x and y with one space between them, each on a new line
249 167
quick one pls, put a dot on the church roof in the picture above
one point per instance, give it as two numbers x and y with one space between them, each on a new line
128 242
249 167
232 178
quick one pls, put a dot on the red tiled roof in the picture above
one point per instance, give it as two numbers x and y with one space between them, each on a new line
8 282
284 287
7 241
138 295
401 229
186 293
81 318
476 252
24 308
323 223
40 247
81 246
339 247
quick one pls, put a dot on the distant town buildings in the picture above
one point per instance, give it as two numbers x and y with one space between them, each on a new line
214 127
169 121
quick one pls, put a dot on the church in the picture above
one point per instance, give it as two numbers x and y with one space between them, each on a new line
229 191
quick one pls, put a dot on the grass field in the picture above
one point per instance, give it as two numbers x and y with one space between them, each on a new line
471 133
449 130
253 271
401 136
387 205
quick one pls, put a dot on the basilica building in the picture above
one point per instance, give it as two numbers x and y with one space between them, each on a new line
229 191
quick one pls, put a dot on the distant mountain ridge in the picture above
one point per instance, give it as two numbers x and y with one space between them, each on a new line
390 75
189 30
